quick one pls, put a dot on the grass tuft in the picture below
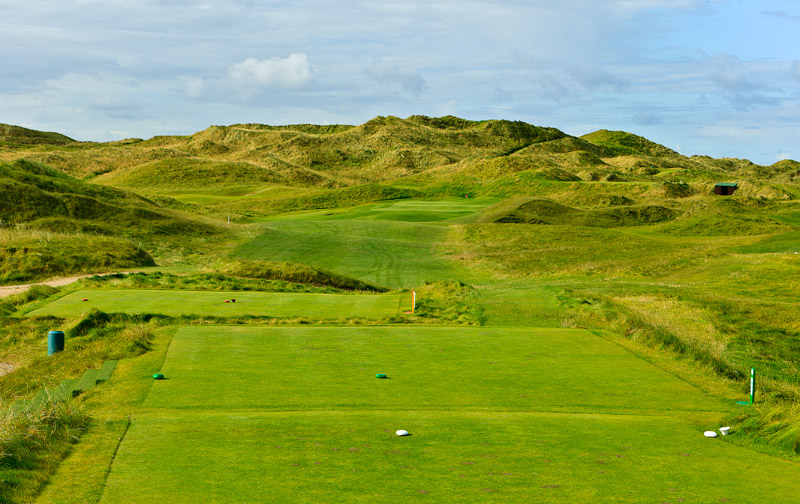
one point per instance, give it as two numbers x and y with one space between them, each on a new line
33 441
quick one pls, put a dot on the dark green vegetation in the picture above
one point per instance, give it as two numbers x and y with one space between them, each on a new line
497 225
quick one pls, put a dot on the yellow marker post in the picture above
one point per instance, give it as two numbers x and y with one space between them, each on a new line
413 301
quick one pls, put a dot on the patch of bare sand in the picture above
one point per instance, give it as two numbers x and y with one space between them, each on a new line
10 290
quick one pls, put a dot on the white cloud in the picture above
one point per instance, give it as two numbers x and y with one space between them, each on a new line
637 5
781 155
108 95
740 84
252 75
728 73
593 77
448 108
502 96
195 87
794 71
646 119
394 74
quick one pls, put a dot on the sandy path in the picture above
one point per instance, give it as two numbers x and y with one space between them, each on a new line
10 290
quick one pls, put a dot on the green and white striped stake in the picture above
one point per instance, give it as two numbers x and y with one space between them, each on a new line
752 388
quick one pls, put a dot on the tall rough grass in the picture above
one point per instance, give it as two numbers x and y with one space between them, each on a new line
95 338
33 254
32 443
299 273
449 302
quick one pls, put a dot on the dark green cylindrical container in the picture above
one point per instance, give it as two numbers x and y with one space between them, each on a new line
55 342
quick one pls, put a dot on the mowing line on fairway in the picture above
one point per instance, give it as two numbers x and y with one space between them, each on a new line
107 472
677 416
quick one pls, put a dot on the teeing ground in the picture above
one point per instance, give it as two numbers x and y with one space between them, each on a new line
212 303
295 414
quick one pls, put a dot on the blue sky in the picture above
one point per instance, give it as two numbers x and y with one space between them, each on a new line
712 77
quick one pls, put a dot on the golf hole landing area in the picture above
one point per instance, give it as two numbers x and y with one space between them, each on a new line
212 303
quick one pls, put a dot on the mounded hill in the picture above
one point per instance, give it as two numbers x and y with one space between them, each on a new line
19 135
38 196
52 224
544 211
252 169
32 191
191 173
621 143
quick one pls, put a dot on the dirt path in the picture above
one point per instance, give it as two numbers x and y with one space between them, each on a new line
10 290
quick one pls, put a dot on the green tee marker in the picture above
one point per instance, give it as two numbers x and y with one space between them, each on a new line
752 388
158 376
380 375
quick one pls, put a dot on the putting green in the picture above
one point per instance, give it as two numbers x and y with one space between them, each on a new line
212 303
444 368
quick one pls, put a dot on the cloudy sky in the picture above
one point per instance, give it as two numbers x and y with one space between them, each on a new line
714 77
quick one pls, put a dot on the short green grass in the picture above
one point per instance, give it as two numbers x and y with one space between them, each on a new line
467 457
432 368
390 243
257 304
395 254
496 415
